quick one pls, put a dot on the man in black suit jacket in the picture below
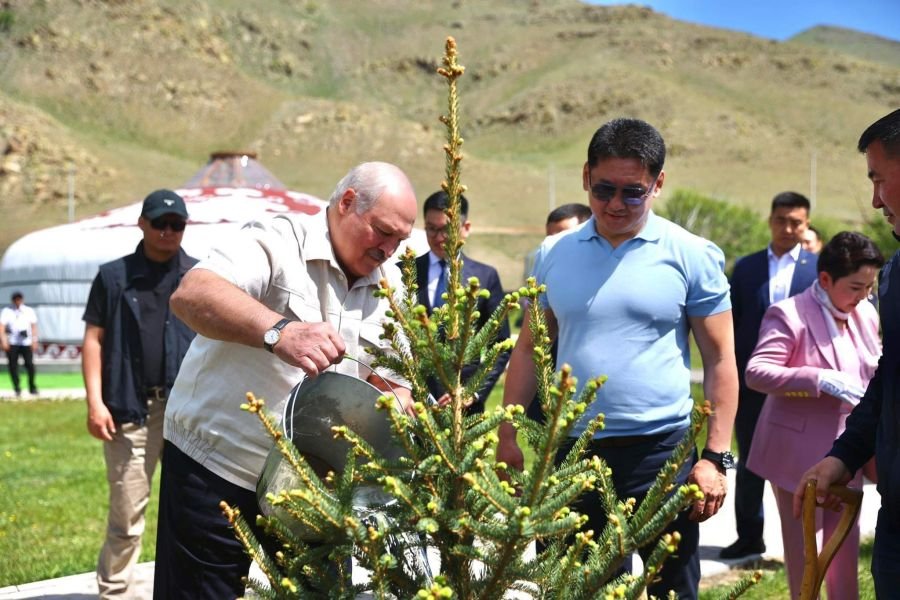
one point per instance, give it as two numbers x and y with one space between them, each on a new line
782 270
428 278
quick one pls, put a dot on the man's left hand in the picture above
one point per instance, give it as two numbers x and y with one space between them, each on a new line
714 485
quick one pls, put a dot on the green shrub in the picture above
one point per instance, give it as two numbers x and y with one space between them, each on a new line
881 233
6 20
735 229
828 227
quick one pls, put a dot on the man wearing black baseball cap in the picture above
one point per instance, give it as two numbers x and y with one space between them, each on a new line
163 202
133 347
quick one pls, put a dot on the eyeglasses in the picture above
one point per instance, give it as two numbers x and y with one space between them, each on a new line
632 195
160 223
433 231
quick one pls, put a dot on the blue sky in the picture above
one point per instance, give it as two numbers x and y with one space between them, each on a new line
780 19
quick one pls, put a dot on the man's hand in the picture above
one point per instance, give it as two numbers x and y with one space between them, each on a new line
407 404
827 471
444 400
311 346
714 485
508 450
100 423
403 394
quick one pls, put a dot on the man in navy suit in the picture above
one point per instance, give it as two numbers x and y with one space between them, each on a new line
782 270
431 276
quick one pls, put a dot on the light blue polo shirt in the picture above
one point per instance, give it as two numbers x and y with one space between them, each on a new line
623 312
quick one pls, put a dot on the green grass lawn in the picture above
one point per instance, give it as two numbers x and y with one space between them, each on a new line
773 585
53 492
45 381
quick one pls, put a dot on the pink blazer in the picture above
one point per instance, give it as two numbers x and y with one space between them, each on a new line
797 426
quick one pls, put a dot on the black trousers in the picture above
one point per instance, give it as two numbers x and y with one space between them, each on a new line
197 554
748 486
634 469
886 556
27 355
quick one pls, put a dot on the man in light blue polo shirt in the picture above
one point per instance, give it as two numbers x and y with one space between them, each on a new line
623 293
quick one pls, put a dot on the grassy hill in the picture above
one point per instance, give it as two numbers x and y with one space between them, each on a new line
867 47
134 95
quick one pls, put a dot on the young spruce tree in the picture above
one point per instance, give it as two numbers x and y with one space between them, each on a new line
448 493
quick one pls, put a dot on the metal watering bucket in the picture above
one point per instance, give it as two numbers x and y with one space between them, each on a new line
314 406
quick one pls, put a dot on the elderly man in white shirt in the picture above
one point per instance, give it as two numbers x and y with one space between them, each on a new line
282 300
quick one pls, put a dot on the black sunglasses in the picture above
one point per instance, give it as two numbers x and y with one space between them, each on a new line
160 223
631 195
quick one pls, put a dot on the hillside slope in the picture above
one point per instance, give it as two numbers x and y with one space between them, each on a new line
134 95
853 43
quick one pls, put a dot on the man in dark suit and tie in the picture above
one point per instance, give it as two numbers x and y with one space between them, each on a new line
782 270
432 277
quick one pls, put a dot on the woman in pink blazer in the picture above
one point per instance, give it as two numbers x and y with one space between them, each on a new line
816 353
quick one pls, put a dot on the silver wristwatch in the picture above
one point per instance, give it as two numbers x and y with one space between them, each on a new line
273 336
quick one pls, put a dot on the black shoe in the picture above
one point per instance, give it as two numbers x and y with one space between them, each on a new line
742 548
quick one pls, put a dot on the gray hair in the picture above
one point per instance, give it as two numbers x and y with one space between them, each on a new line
369 180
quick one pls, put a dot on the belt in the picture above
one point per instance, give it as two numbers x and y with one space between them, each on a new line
623 440
156 392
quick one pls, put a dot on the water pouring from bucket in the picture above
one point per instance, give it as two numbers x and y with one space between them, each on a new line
314 408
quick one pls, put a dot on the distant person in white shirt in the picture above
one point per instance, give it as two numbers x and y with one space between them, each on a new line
19 337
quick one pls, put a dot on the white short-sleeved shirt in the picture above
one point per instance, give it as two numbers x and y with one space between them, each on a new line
288 264
17 322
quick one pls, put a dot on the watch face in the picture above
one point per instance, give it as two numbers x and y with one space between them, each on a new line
272 336
728 460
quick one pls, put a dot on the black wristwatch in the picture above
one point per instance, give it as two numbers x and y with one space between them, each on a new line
723 460
273 335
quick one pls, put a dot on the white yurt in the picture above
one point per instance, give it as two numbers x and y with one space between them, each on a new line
54 267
